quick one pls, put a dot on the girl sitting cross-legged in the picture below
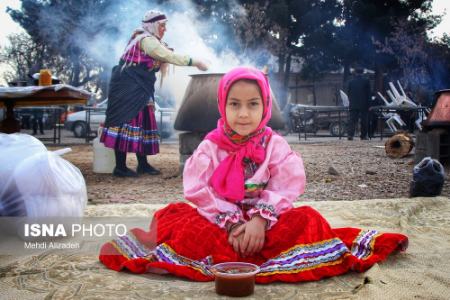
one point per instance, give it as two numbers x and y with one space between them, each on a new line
243 179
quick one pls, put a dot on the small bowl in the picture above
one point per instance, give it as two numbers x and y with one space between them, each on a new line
235 279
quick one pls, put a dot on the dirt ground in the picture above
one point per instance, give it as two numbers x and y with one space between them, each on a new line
364 172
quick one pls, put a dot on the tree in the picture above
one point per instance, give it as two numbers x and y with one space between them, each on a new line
221 16
407 44
291 31
367 21
320 27
23 55
66 29
423 66
439 63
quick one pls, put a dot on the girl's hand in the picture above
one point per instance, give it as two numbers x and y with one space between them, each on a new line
235 237
254 235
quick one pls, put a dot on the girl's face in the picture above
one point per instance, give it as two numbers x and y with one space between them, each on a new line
244 108
161 29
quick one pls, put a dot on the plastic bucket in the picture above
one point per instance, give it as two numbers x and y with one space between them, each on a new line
104 160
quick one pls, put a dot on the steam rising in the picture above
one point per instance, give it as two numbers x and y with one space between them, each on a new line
184 30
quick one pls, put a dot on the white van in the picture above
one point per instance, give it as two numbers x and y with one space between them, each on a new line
78 122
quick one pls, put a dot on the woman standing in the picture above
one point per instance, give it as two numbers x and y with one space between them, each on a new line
130 124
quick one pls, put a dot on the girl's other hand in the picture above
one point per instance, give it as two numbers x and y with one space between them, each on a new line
255 233
235 237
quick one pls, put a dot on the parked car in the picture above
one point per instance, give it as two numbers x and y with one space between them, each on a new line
79 125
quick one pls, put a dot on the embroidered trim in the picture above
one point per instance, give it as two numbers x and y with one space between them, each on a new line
164 253
130 247
362 246
302 258
266 211
229 216
132 134
253 187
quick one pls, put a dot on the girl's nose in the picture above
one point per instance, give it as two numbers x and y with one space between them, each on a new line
243 112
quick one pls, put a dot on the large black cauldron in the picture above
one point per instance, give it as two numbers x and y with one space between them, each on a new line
199 112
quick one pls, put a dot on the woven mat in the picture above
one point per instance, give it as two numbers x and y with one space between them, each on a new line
422 272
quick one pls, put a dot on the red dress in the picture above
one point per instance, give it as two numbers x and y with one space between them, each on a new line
301 246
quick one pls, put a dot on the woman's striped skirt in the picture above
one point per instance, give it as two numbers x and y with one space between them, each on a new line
139 135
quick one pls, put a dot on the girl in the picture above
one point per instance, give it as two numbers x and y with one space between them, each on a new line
130 124
243 179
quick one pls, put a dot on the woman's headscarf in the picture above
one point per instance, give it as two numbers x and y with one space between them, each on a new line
151 21
149 27
228 179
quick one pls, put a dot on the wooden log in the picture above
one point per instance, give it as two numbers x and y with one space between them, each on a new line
399 145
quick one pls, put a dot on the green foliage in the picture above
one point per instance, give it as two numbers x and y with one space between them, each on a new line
318 35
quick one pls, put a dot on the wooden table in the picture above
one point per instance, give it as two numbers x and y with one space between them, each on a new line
52 95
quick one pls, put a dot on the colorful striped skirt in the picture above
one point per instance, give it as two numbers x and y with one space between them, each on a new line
140 135
301 246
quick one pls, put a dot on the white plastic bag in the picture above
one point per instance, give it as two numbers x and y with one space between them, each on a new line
14 148
38 183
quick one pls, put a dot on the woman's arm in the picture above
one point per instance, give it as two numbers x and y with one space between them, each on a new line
153 47
197 172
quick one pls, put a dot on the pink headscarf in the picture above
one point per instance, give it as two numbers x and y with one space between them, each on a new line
228 179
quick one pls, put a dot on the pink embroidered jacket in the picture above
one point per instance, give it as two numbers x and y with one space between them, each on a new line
272 189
